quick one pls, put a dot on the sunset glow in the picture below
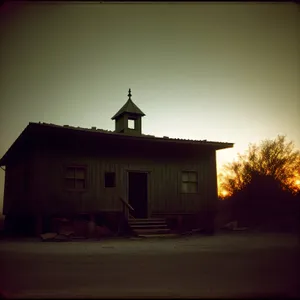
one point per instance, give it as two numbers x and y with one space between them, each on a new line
224 193
293 183
200 71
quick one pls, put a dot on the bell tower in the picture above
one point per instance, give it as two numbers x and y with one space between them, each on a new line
128 119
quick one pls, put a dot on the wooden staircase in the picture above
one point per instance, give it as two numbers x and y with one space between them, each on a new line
153 227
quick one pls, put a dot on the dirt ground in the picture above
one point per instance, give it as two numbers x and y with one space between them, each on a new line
236 265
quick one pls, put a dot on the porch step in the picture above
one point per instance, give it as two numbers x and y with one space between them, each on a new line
146 231
162 235
147 221
147 227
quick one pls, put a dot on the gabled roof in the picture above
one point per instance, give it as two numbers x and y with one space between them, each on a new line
34 131
129 107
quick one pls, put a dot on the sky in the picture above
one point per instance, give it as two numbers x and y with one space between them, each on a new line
226 72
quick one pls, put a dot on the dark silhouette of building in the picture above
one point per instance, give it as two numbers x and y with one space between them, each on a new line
65 171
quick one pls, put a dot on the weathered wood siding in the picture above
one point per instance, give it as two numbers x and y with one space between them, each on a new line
13 188
164 182
18 187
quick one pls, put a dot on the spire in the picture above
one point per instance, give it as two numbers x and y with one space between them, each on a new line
128 119
130 108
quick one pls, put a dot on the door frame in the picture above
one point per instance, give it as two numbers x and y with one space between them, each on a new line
148 186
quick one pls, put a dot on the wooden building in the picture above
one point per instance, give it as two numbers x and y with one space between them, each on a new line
53 170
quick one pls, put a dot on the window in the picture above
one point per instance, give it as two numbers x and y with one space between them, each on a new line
189 182
131 123
75 178
110 179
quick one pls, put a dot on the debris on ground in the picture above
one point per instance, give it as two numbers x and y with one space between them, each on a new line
234 226
48 236
67 233
53 236
193 231
61 238
64 235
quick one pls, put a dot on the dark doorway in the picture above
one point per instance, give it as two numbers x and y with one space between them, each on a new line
138 193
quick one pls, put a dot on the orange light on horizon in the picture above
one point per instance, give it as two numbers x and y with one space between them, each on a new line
224 193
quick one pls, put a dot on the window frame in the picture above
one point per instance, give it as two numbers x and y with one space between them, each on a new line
131 121
66 177
189 181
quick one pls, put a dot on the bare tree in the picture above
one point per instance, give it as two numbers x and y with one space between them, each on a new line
276 158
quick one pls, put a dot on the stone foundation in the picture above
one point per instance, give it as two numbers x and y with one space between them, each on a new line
83 225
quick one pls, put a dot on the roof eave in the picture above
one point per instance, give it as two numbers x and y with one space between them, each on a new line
2 162
5 157
117 115
125 109
224 146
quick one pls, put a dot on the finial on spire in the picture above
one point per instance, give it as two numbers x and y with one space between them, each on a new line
129 94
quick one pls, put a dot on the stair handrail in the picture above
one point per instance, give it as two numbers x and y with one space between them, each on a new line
127 208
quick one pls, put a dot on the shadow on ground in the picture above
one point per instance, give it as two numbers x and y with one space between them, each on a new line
239 265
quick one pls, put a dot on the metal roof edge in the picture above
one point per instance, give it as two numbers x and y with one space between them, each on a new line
143 136
214 144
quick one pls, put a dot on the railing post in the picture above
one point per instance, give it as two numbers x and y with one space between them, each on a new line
126 208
